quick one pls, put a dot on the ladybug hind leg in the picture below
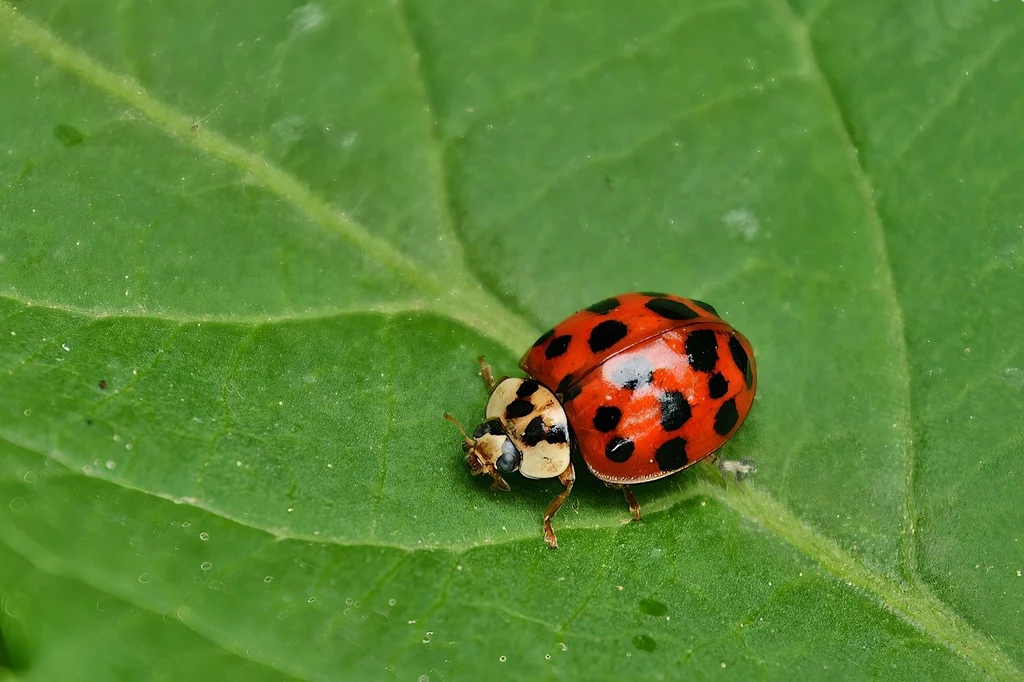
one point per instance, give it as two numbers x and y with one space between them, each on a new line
566 478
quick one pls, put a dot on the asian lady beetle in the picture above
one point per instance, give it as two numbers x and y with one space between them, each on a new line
643 384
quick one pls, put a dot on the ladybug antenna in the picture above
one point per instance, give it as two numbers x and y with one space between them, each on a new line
455 421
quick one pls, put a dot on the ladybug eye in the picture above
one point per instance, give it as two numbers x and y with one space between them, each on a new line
509 460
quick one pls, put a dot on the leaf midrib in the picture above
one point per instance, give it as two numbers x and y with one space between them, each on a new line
483 312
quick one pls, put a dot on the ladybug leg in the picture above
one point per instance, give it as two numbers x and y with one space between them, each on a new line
634 506
487 374
566 478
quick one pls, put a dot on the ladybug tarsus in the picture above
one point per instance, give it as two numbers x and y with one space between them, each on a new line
566 478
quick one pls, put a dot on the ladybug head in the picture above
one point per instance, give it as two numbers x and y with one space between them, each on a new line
490 451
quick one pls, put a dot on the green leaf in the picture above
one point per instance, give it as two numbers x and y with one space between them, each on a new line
249 253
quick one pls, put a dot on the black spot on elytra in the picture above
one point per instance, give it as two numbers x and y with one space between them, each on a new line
557 347
535 431
702 350
67 135
726 417
675 411
606 335
619 449
635 372
671 310
671 455
656 294
571 393
717 385
739 356
645 643
527 388
490 426
706 306
518 408
605 306
607 418
544 337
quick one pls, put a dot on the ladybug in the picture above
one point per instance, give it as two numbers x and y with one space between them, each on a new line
643 385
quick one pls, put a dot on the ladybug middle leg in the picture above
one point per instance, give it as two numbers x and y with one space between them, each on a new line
566 478
634 506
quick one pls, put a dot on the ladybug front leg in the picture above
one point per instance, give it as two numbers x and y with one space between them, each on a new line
487 374
566 478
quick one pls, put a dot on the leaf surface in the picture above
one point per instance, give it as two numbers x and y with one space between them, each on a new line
250 251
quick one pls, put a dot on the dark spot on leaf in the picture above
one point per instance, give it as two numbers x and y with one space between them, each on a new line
652 607
645 643
68 136
103 384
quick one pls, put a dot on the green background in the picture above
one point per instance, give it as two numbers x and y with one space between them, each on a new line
250 250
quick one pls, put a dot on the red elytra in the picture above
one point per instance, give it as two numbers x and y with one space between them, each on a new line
650 383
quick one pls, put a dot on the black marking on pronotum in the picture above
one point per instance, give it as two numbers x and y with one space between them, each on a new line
717 385
671 310
518 408
527 388
557 346
739 356
633 373
606 335
607 418
675 411
702 349
671 455
490 426
604 307
535 431
706 306
619 449
726 417
557 434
